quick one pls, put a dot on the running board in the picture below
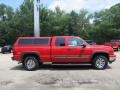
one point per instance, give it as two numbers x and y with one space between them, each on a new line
66 64
70 64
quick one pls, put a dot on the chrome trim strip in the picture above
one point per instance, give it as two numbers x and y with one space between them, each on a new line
47 62
60 56
72 56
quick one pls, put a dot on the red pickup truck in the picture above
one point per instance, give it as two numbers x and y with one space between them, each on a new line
34 51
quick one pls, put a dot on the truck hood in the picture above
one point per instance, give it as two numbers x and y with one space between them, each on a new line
101 47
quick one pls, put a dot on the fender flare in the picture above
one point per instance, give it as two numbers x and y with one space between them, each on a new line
30 53
99 52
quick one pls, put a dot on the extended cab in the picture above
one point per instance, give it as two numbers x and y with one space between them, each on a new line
34 51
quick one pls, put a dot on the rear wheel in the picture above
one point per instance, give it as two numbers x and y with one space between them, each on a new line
100 62
31 63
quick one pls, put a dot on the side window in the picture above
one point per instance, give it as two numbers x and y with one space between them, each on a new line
41 41
25 41
74 42
60 42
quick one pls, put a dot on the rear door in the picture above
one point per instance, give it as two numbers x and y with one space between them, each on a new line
59 50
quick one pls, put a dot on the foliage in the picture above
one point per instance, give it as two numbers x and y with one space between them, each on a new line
106 24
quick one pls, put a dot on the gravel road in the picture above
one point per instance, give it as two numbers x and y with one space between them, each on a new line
14 77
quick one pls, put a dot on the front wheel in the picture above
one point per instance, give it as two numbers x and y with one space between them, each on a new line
31 63
100 62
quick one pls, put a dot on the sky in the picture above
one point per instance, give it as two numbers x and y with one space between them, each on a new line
68 5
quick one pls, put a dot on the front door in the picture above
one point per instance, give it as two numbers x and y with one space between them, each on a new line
76 50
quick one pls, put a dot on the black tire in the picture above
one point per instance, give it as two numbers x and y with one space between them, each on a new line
100 66
33 60
9 51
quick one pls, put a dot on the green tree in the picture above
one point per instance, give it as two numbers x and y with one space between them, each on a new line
6 15
106 24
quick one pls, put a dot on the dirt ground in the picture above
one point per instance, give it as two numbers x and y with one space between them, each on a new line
14 77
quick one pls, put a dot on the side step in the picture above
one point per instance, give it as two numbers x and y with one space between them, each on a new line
70 64
66 64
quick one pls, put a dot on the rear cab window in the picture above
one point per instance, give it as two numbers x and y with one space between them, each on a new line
34 41
41 41
25 41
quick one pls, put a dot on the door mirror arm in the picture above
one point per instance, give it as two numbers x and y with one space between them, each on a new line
84 45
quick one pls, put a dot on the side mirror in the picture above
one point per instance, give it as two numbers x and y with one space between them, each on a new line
84 45
62 44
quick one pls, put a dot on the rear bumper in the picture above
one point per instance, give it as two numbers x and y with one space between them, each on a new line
16 58
112 58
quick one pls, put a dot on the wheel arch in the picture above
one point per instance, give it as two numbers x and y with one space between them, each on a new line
26 54
99 53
